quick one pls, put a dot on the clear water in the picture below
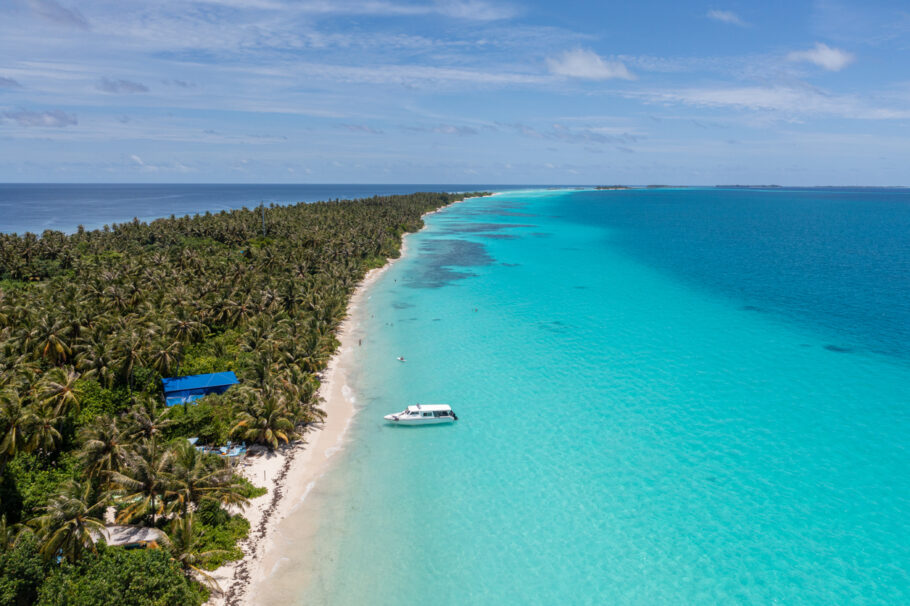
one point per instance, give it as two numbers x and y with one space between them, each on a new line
665 397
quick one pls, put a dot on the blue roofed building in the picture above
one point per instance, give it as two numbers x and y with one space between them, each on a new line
185 390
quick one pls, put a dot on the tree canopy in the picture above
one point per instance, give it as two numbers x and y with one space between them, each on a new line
89 324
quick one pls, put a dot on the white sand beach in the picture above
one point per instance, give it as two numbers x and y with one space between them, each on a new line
290 473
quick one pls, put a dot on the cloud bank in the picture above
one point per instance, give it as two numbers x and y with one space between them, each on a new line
53 119
121 86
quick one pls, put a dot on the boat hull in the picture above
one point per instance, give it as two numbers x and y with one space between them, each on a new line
422 421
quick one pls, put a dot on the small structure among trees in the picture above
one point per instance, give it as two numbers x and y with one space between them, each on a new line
184 390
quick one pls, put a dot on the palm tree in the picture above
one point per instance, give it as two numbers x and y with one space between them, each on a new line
50 337
68 522
146 418
186 330
128 356
165 358
97 360
197 476
16 421
104 448
266 422
144 482
45 436
184 547
58 389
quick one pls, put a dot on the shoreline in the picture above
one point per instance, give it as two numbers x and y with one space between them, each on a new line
290 473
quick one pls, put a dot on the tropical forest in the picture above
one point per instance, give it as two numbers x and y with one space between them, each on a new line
90 322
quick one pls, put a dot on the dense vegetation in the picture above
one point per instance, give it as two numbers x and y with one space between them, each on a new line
90 322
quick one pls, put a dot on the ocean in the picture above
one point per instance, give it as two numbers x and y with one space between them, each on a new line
675 396
35 207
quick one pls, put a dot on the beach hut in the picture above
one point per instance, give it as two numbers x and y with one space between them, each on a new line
131 537
185 390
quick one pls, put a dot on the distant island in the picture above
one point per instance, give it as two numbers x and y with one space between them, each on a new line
612 187
748 186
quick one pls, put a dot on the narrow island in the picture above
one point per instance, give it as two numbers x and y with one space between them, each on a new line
156 382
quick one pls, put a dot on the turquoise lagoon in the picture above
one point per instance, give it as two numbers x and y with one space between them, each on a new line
665 397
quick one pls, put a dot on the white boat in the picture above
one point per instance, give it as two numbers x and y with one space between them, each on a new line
423 414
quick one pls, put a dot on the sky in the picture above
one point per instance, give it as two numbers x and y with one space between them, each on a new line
463 91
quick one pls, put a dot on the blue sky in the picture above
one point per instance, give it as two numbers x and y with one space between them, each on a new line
466 91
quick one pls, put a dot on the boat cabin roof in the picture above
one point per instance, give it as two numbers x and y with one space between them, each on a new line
429 408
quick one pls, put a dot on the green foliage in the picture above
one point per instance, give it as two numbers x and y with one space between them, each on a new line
209 419
13 285
248 489
201 243
31 480
147 380
22 569
260 242
140 577
96 400
218 353
373 262
220 532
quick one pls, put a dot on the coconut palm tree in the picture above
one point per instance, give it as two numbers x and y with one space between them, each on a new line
105 448
166 357
146 418
184 539
129 354
50 340
44 433
16 422
267 422
68 522
186 330
196 476
58 389
97 359
143 484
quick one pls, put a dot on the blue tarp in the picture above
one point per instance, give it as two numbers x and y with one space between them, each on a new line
182 390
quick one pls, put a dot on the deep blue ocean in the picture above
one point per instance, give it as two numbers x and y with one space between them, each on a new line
674 396
693 396
36 207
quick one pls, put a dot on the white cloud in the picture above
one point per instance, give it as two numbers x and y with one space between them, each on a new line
832 59
474 10
143 166
726 17
55 13
581 63
54 119
788 100
121 86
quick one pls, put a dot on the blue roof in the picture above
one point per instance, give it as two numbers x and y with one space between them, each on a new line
209 381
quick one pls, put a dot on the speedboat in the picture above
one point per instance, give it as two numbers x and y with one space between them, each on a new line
423 414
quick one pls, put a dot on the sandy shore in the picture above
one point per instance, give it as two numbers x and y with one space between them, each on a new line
290 473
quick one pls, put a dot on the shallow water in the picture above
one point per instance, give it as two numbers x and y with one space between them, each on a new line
664 397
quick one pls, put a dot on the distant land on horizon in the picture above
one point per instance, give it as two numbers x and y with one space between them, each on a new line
441 184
